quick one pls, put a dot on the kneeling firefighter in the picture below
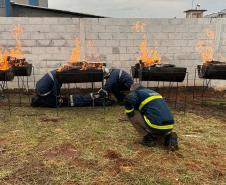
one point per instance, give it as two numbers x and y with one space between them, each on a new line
47 91
117 80
150 116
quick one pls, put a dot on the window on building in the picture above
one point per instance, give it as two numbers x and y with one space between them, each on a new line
2 3
34 2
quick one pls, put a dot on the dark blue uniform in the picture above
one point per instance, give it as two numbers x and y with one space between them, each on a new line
152 107
47 89
117 82
88 100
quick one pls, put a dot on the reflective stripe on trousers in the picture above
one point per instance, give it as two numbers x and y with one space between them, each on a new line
160 127
128 111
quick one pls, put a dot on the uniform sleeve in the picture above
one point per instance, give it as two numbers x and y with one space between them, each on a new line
130 103
113 78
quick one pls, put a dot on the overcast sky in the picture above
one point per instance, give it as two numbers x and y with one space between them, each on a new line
136 8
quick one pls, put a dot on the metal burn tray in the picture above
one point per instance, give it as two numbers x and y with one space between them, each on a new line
7 75
23 70
212 71
80 76
168 73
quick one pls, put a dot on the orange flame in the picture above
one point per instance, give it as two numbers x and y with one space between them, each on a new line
148 56
206 49
93 56
75 61
139 26
75 53
89 44
4 65
17 52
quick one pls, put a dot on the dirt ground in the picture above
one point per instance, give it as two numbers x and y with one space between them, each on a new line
99 146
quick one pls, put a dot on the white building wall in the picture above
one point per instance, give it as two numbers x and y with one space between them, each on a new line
47 42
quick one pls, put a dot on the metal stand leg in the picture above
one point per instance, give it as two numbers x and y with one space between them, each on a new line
9 106
194 84
185 94
5 93
57 106
92 84
28 91
203 89
169 90
157 86
19 92
33 73
176 96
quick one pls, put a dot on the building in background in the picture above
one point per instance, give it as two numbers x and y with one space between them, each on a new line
194 12
35 8
221 14
41 3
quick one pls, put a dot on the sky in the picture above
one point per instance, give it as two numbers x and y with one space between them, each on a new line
137 8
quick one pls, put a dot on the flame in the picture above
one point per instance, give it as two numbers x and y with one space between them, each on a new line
206 52
4 65
75 53
210 34
222 58
93 56
17 52
148 56
86 65
89 44
206 49
139 26
75 61
64 67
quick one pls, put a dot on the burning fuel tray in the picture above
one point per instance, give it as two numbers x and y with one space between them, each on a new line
80 76
7 75
212 71
168 73
23 70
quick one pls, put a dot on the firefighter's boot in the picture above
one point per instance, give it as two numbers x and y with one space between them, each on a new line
148 140
171 141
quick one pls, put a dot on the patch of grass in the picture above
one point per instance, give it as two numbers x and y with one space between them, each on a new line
95 146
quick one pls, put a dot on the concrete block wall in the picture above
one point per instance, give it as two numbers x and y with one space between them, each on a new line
47 42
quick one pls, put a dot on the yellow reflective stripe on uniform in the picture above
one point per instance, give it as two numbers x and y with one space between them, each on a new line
163 127
143 103
128 111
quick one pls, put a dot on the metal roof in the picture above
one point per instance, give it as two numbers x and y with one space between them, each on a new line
57 10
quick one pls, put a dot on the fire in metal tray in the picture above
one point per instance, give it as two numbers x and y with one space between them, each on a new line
212 70
158 72
81 72
80 66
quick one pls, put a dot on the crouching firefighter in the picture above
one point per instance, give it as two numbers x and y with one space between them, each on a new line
117 81
150 116
47 91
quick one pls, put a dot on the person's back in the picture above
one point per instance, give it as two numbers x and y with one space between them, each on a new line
118 81
45 85
154 108
47 90
150 115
